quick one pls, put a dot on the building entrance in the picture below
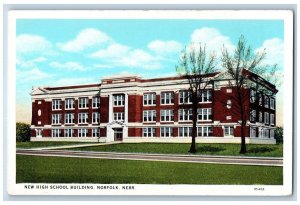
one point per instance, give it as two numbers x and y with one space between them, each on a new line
118 134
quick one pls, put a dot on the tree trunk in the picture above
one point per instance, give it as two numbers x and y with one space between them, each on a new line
243 141
194 128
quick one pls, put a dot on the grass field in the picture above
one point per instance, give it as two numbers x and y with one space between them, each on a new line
181 148
37 169
46 144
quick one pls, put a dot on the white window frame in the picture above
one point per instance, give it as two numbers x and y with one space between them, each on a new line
82 132
266 101
166 132
149 99
206 96
164 114
167 98
253 116
228 131
83 118
272 103
96 102
56 119
260 117
96 132
272 119
118 100
272 133
204 131
69 118
204 114
267 118
149 131
185 131
266 133
95 118
69 132
149 116
253 132
56 104
185 115
260 99
252 96
229 104
118 116
83 102
55 132
70 104
184 97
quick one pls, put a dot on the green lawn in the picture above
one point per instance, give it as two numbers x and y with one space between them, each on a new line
181 148
37 169
46 144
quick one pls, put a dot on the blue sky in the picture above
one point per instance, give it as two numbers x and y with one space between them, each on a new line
66 52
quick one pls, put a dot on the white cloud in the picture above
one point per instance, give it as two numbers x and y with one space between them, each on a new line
165 47
26 43
213 40
112 51
31 75
68 65
30 63
102 66
85 39
139 58
73 81
274 51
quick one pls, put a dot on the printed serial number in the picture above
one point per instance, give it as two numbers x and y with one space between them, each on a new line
259 189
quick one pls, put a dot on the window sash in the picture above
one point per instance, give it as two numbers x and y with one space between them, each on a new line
149 99
95 117
204 131
167 115
204 114
149 115
70 103
69 132
149 132
82 118
96 102
228 130
55 132
56 105
82 132
69 118
185 131
166 131
56 119
184 97
167 98
83 103
119 100
185 114
118 116
96 132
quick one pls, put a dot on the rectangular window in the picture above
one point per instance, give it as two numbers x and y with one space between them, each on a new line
260 99
205 96
272 103
252 96
185 131
118 116
150 99
56 104
55 133
166 131
149 132
272 119
82 132
272 134
167 98
69 132
69 118
119 100
185 114
96 132
204 131
96 118
167 115
267 118
204 114
83 103
184 97
228 130
149 116
82 118
96 102
252 131
260 117
69 103
56 119
266 133
253 116
267 99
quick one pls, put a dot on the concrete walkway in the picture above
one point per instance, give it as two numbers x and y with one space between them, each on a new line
258 161
74 146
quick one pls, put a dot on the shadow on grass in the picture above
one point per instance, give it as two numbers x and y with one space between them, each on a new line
209 148
260 149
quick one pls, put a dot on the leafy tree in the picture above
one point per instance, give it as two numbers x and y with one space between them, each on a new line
23 132
279 135
195 66
237 65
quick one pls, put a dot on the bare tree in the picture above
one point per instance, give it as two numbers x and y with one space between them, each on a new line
195 66
237 66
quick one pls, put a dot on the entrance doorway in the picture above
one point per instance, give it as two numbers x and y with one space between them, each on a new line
118 134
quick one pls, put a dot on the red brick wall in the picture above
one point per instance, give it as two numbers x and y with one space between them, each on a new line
135 104
104 109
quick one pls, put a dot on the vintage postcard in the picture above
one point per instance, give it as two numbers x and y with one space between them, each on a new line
122 102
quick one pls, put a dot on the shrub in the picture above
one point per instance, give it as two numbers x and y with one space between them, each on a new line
279 135
23 132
